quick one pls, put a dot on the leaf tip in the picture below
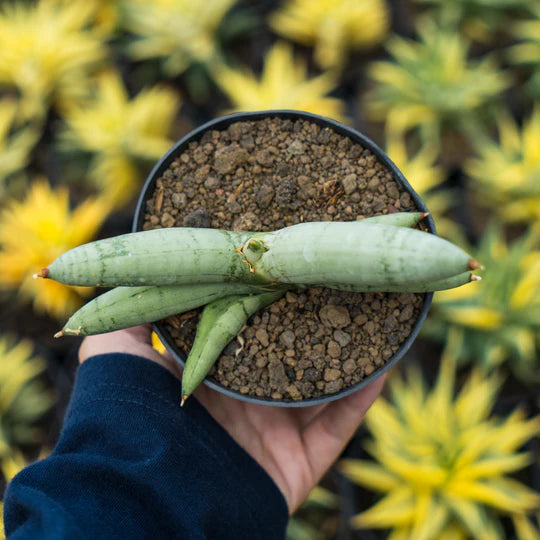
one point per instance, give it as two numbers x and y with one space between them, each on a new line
43 273
473 264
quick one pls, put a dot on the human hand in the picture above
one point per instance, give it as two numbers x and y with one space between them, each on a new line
295 446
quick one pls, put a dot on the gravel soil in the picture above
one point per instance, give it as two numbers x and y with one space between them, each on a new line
268 174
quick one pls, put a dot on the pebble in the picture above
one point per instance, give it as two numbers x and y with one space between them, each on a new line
296 148
167 220
342 337
334 316
264 196
333 387
333 349
349 366
199 219
349 183
287 339
229 158
262 335
331 374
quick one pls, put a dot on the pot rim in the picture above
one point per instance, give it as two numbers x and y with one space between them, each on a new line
223 122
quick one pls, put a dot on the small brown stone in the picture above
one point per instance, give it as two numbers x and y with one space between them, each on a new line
349 183
349 366
334 350
262 335
335 316
331 374
229 158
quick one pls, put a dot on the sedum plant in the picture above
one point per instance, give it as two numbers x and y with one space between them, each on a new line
234 274
16 142
527 50
178 32
443 464
332 27
23 397
498 318
506 173
432 85
283 84
49 49
425 176
308 522
120 131
37 229
10 465
479 20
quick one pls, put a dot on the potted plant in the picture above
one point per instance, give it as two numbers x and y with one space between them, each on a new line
333 218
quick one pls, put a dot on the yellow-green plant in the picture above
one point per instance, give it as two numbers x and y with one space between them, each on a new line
443 463
48 50
10 465
332 27
306 522
23 397
527 51
38 228
477 19
283 84
179 32
425 175
16 142
498 317
506 173
119 131
431 84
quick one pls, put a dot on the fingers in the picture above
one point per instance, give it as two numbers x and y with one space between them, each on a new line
328 433
136 341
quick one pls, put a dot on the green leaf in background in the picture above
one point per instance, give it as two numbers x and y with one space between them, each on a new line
442 462
432 84
332 27
505 173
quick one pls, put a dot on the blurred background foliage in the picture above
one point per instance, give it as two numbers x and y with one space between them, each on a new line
93 92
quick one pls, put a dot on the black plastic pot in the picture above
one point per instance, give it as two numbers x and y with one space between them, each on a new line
223 123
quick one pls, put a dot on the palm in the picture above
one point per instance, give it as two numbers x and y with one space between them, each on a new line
294 445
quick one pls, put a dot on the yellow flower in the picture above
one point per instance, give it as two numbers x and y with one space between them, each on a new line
499 316
178 31
332 26
506 173
15 142
119 130
283 85
47 51
157 344
23 398
431 84
36 231
442 462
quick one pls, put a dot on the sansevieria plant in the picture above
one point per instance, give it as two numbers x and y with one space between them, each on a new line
162 272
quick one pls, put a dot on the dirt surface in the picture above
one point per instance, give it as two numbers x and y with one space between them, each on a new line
265 175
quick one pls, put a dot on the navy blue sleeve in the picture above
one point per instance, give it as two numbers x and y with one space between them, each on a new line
130 463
